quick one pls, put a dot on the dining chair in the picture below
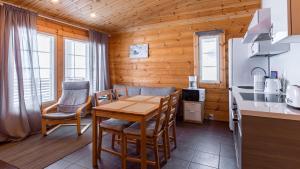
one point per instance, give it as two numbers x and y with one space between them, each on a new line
70 107
155 130
121 93
113 126
171 125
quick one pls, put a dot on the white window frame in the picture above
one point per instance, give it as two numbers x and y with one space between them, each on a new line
53 60
200 58
65 54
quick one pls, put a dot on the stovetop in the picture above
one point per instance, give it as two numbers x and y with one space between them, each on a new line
261 97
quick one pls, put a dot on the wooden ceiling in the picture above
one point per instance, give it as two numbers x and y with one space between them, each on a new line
116 15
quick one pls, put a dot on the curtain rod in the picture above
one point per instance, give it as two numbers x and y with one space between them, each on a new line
53 19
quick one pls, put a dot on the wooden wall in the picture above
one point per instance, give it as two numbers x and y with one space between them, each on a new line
171 57
60 31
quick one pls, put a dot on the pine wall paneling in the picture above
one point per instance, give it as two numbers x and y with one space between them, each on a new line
171 58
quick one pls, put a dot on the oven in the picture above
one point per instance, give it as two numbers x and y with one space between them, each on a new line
237 133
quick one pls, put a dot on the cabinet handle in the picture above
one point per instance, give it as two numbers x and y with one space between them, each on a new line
252 50
271 32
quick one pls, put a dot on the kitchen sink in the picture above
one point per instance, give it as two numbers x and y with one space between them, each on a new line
246 87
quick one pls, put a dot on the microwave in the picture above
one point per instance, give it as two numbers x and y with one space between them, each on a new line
197 95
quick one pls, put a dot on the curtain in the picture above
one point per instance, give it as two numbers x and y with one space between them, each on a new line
20 113
99 63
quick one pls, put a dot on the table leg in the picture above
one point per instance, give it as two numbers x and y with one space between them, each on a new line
95 139
143 145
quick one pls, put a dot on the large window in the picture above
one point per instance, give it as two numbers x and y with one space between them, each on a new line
46 65
209 58
44 70
76 60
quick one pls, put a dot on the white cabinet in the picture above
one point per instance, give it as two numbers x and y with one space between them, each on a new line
284 18
193 111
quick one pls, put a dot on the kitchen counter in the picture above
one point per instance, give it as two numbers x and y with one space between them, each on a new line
264 109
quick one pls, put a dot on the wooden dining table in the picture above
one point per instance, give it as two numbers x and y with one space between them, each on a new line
134 109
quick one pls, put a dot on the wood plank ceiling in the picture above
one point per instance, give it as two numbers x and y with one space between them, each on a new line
116 15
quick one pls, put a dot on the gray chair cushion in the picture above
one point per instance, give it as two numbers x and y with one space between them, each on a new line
135 128
59 116
115 124
74 95
157 91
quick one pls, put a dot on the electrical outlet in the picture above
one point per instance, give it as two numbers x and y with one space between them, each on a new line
211 116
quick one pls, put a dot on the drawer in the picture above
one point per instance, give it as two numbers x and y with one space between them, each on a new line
193 116
192 106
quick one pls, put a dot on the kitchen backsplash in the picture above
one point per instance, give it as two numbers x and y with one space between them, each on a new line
288 65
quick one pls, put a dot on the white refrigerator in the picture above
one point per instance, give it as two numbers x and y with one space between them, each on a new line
240 66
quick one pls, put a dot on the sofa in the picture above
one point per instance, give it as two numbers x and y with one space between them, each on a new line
151 91
147 91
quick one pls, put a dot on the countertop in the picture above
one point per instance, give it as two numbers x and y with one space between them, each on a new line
264 109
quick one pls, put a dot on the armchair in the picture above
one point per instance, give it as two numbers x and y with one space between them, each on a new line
69 108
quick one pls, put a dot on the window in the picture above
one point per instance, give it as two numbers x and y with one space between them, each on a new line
45 44
209 58
44 68
76 60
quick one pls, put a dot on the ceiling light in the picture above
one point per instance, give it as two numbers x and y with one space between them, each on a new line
54 1
93 15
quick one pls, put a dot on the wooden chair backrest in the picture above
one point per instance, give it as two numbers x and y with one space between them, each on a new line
162 114
103 97
173 104
121 93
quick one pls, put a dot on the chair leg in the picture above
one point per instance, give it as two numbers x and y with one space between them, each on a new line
100 142
113 139
168 141
124 151
44 127
78 126
174 135
138 146
165 145
155 149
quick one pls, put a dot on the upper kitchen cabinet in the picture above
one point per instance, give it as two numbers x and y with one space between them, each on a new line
285 25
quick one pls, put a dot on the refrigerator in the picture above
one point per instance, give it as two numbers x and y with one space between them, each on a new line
240 66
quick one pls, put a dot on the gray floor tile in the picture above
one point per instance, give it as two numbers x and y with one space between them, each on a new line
208 159
227 163
199 166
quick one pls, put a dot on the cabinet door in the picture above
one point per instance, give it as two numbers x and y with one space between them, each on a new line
279 18
295 12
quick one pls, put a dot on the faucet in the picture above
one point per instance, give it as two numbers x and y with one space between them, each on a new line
258 68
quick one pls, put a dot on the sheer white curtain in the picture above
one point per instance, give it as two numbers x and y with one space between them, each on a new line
19 78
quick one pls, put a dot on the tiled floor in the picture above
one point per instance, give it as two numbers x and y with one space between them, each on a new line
208 146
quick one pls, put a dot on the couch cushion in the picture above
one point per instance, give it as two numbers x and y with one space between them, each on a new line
132 90
157 91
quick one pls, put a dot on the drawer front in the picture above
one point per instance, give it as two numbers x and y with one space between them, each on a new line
193 116
192 106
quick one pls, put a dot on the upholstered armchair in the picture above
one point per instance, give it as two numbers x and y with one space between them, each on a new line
69 109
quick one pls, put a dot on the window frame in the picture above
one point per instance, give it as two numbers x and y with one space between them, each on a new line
221 83
201 59
54 61
64 56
